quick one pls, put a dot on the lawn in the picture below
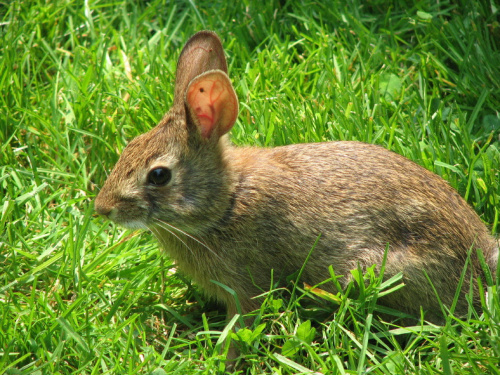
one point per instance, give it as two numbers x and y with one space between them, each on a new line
79 79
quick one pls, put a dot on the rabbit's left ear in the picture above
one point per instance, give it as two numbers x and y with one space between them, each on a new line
212 103
202 52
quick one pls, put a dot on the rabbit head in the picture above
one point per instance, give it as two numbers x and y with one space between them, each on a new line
175 171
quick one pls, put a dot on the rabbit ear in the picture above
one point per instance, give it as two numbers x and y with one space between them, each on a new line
212 103
202 52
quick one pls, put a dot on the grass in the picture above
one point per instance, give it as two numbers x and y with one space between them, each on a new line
79 79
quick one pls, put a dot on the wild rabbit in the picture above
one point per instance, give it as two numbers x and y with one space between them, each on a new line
247 216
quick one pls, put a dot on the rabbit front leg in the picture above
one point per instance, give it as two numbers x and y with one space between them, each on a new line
242 322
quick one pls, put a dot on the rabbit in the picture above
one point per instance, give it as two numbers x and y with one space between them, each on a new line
248 217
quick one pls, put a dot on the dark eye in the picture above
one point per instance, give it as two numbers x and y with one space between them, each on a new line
159 176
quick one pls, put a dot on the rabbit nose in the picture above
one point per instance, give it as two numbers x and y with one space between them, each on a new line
103 209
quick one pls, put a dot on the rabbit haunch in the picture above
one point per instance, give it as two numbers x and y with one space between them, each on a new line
248 217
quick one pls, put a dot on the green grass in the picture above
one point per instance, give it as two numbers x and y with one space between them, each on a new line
79 79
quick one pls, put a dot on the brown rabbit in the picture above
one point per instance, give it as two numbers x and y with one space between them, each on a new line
246 217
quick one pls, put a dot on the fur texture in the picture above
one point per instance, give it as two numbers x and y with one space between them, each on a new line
239 215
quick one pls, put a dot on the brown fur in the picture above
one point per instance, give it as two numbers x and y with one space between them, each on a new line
235 215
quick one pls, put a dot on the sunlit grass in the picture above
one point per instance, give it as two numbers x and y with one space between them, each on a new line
79 79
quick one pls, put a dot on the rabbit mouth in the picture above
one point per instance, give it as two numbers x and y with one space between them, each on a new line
124 221
132 224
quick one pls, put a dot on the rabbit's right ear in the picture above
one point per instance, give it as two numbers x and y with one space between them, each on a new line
202 52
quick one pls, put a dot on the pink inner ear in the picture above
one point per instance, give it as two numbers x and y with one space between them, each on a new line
212 100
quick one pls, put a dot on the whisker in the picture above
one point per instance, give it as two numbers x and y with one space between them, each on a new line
158 236
171 227
155 233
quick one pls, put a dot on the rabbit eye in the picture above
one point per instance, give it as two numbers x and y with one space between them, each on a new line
159 176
